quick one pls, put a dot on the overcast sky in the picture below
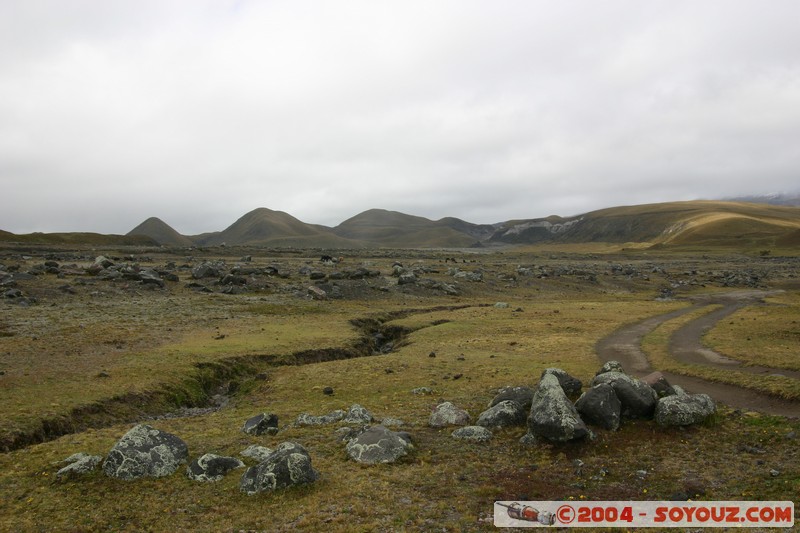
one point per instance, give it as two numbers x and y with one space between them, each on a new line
199 111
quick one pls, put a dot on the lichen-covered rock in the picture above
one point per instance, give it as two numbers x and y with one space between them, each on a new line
259 453
637 397
305 419
378 445
78 463
504 414
145 452
684 410
552 416
571 385
358 415
261 424
288 465
659 384
600 406
447 414
211 467
392 422
611 366
472 434
522 395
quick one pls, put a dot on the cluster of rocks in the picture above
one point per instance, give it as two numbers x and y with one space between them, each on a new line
551 416
413 277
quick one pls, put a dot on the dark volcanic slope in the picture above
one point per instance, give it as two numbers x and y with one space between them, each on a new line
161 232
380 227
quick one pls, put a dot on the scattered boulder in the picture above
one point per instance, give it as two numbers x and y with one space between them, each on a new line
205 270
358 415
78 464
637 397
552 416
378 445
211 467
259 453
611 366
684 410
304 419
447 414
260 424
504 414
422 390
316 293
145 452
288 465
522 395
572 386
600 406
501 305
472 434
659 384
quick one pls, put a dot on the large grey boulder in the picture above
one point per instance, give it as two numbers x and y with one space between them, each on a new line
261 424
521 394
145 452
600 406
638 399
571 385
447 414
552 416
684 410
504 414
472 434
288 465
378 445
211 467
78 464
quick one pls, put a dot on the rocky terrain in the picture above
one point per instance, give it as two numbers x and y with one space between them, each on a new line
387 389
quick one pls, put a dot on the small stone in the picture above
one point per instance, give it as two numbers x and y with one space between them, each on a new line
261 424
501 305
78 464
432 354
774 473
472 434
422 390
328 391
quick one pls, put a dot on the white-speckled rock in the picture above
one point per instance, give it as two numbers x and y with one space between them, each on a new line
684 410
378 445
472 434
145 452
447 414
211 467
552 416
289 464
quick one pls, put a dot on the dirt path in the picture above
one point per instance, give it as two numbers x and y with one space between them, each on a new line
624 345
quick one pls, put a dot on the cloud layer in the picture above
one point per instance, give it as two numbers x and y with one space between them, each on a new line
198 112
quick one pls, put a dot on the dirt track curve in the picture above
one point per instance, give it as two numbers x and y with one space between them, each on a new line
624 345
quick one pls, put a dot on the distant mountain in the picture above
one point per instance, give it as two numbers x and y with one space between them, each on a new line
265 227
771 199
677 223
380 227
77 238
697 223
161 232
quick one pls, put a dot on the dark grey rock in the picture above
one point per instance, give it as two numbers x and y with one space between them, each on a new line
659 384
145 452
637 397
211 467
78 464
150 277
259 453
408 278
358 415
684 410
377 445
288 465
447 414
507 413
472 434
205 270
522 395
571 385
600 406
260 424
552 416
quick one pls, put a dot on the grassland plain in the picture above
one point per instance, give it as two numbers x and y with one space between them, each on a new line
559 305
